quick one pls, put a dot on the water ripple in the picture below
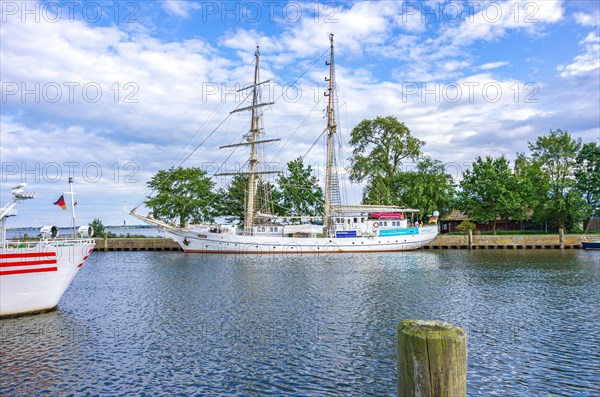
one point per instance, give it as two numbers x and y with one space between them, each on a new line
145 323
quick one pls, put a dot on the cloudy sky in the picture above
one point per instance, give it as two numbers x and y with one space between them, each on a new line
111 92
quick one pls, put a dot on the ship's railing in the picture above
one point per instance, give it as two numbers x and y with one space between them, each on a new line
12 244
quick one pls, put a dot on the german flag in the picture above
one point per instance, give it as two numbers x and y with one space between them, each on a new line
433 219
61 202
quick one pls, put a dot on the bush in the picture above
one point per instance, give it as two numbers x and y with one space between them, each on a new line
465 226
98 227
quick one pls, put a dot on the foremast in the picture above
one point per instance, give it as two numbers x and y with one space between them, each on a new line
253 141
331 183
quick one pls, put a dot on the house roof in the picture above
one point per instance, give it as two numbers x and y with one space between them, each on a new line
455 215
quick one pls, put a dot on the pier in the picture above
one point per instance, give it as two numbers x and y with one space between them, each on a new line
441 242
551 241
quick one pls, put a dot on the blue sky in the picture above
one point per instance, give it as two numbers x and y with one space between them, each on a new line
114 91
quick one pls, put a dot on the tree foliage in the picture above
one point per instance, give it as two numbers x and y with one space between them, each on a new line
428 187
232 201
587 176
181 193
490 191
380 146
299 192
383 151
556 155
97 226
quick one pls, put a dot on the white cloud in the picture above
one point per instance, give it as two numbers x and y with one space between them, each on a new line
412 20
494 65
173 77
584 19
180 8
494 19
587 62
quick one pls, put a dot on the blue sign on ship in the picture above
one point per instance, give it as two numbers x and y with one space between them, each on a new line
346 234
398 232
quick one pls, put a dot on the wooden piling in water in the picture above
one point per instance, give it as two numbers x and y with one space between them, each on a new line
432 359
470 239
561 237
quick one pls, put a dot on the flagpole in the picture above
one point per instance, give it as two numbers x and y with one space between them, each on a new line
72 206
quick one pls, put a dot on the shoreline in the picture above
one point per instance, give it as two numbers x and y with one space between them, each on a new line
441 242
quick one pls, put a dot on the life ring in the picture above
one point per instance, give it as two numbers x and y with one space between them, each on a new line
375 225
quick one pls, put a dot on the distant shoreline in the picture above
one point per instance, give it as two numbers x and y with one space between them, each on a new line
18 229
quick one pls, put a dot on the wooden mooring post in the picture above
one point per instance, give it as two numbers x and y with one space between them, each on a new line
561 237
432 359
470 239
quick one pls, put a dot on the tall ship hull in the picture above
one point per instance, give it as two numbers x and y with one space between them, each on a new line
203 241
33 277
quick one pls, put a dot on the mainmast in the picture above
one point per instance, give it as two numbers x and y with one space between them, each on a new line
331 127
254 131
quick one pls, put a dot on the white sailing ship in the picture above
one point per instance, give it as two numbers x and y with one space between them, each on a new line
35 274
345 228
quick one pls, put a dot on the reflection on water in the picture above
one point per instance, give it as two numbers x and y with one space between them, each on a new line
173 323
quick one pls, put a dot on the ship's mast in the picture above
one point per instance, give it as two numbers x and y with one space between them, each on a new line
254 131
253 141
331 127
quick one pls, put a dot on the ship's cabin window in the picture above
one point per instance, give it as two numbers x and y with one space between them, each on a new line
362 220
355 220
384 223
348 220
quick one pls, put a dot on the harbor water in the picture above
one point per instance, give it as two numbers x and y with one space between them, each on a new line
169 323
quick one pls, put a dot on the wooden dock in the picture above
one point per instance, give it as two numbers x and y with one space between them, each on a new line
441 242
506 242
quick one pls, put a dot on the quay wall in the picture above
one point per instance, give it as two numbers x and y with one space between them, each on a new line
506 242
440 242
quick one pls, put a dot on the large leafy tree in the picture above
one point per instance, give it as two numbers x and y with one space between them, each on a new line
587 176
489 191
380 147
556 155
299 192
428 188
181 193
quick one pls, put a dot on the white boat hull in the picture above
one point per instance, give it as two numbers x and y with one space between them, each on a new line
207 242
33 277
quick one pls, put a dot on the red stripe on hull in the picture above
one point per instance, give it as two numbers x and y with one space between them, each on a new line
27 263
27 255
24 271
323 252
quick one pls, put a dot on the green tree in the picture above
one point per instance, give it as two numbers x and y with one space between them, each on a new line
533 185
430 188
300 194
556 155
587 176
490 191
427 188
97 226
233 200
181 193
380 146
